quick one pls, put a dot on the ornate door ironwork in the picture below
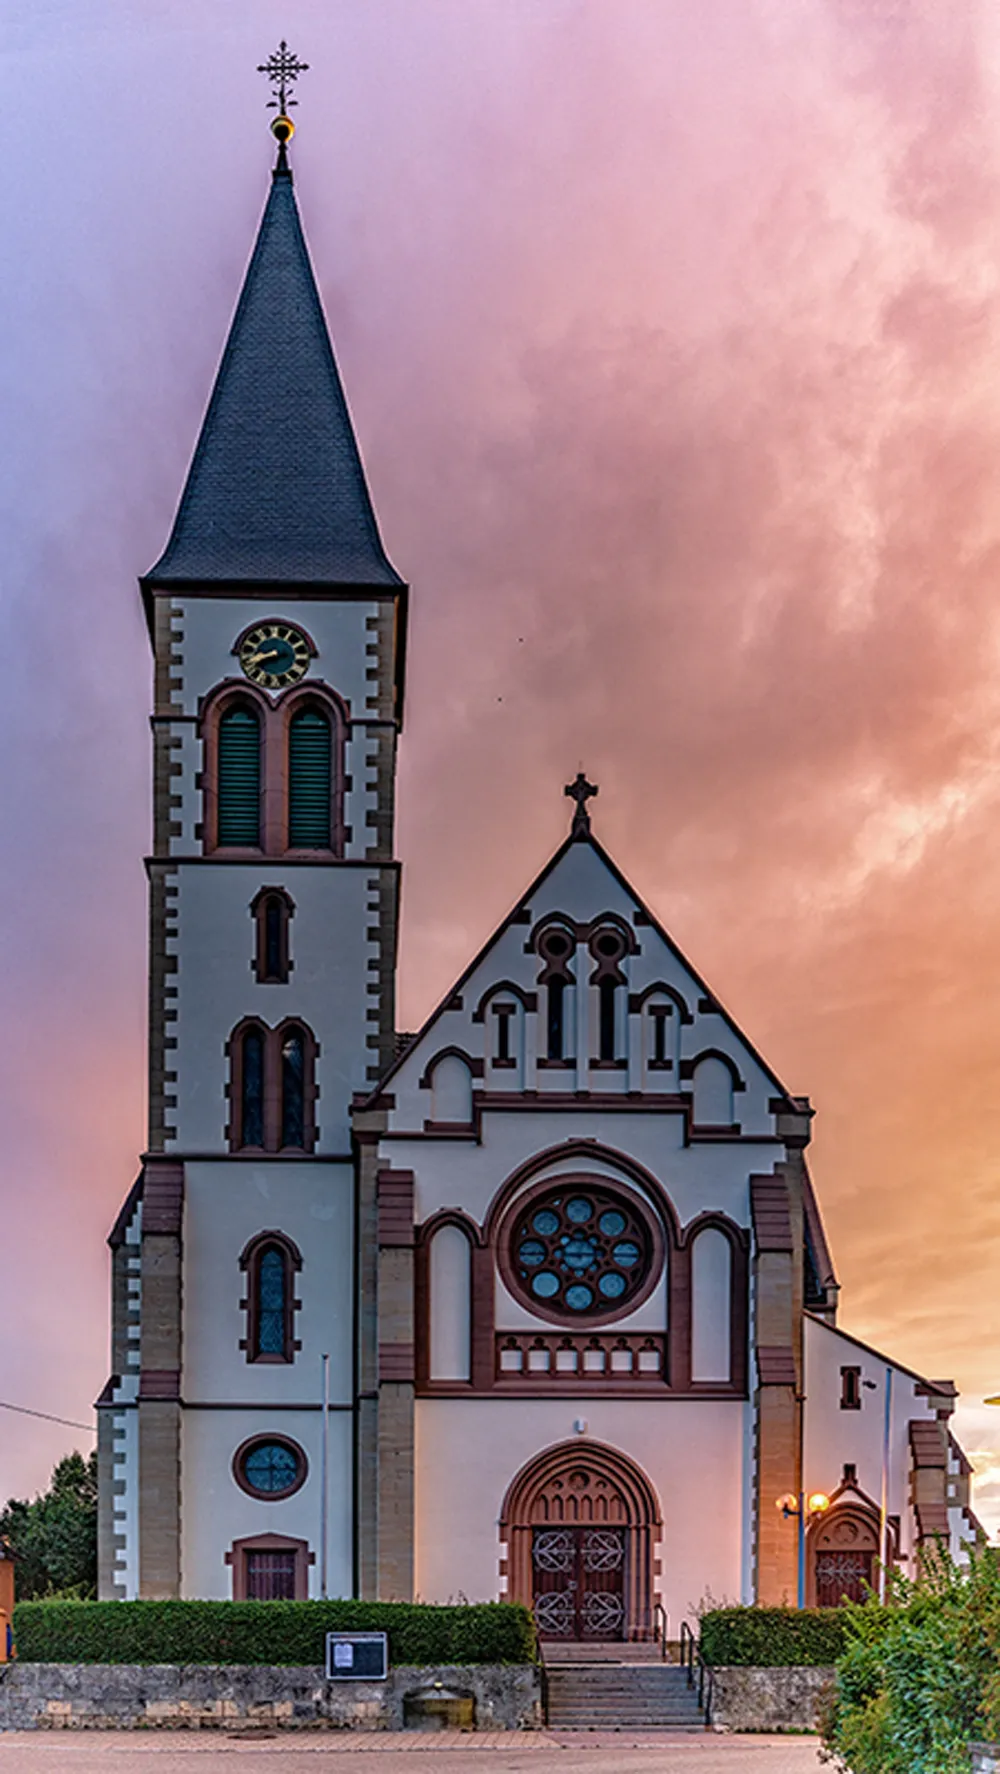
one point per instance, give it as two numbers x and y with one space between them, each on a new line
579 1582
842 1576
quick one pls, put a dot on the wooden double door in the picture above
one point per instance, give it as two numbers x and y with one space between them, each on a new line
578 1577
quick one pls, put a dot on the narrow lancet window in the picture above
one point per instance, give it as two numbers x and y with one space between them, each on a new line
556 1001
270 1262
272 913
271 1302
606 1033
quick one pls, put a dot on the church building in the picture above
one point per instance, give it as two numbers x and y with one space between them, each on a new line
534 1304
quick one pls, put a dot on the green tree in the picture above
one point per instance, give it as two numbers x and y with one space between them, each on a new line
54 1537
918 1679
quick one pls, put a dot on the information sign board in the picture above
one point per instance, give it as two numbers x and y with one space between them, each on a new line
357 1656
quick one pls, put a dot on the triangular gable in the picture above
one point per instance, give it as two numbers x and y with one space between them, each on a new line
707 1001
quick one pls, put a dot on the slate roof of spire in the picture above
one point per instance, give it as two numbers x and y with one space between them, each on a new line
276 490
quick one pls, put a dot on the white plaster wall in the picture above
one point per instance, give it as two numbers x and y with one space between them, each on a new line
210 626
834 1436
468 1451
226 1204
215 1511
216 986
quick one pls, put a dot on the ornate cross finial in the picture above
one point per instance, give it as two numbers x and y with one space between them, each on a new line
282 69
581 792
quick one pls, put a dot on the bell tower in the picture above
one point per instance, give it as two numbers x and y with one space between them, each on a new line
278 630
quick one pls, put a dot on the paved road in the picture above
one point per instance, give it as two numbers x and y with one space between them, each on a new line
113 1752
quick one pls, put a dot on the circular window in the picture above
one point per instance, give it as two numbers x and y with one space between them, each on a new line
580 1251
555 944
270 1467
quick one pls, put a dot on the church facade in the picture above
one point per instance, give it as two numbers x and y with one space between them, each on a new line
536 1303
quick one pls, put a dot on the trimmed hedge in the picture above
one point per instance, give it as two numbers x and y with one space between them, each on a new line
773 1638
266 1632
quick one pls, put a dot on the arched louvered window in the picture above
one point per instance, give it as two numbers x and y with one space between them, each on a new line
239 777
293 1102
310 780
252 1089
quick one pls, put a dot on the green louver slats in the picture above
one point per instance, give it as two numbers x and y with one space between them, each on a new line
310 783
239 777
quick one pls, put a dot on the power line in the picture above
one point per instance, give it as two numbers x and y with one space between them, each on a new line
23 1411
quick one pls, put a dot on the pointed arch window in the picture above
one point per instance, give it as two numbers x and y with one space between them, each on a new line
272 1088
272 911
239 776
270 1262
310 780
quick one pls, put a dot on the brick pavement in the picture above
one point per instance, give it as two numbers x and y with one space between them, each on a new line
499 1752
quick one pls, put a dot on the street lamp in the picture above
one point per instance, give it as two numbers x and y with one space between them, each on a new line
802 1507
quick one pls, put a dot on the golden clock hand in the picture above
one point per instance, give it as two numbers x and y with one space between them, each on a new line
259 658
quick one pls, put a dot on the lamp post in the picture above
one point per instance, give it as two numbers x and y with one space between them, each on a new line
802 1507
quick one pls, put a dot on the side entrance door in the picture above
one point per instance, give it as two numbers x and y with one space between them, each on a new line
578 1578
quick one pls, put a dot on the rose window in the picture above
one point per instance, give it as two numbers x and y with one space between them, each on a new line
581 1252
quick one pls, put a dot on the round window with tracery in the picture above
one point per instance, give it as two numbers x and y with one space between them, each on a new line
580 1252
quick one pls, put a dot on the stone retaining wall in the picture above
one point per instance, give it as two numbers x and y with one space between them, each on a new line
199 1696
768 1699
985 1758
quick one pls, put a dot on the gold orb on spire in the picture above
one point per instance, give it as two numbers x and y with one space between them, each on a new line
282 129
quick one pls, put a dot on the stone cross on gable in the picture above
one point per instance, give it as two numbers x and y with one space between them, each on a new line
581 792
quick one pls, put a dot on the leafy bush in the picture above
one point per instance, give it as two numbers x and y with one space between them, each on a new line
773 1637
921 1678
266 1632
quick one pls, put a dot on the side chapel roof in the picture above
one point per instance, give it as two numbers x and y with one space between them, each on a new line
276 491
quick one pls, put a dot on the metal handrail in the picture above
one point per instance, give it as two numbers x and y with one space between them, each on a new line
661 1623
691 1658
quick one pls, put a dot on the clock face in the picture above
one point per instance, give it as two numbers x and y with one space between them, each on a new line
274 654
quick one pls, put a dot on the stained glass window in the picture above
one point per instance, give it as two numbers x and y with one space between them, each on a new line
580 1252
271 1300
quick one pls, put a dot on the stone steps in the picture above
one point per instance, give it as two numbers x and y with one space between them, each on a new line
621 1697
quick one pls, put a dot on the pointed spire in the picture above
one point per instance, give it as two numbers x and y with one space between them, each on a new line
276 491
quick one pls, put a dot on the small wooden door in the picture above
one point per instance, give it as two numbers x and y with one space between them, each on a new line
845 1547
579 1582
270 1576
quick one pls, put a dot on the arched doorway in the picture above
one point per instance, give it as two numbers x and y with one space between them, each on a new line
580 1521
844 1556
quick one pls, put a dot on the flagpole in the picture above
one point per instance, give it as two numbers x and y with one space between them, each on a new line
324 1460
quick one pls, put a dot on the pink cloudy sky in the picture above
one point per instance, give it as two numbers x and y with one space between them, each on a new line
672 332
